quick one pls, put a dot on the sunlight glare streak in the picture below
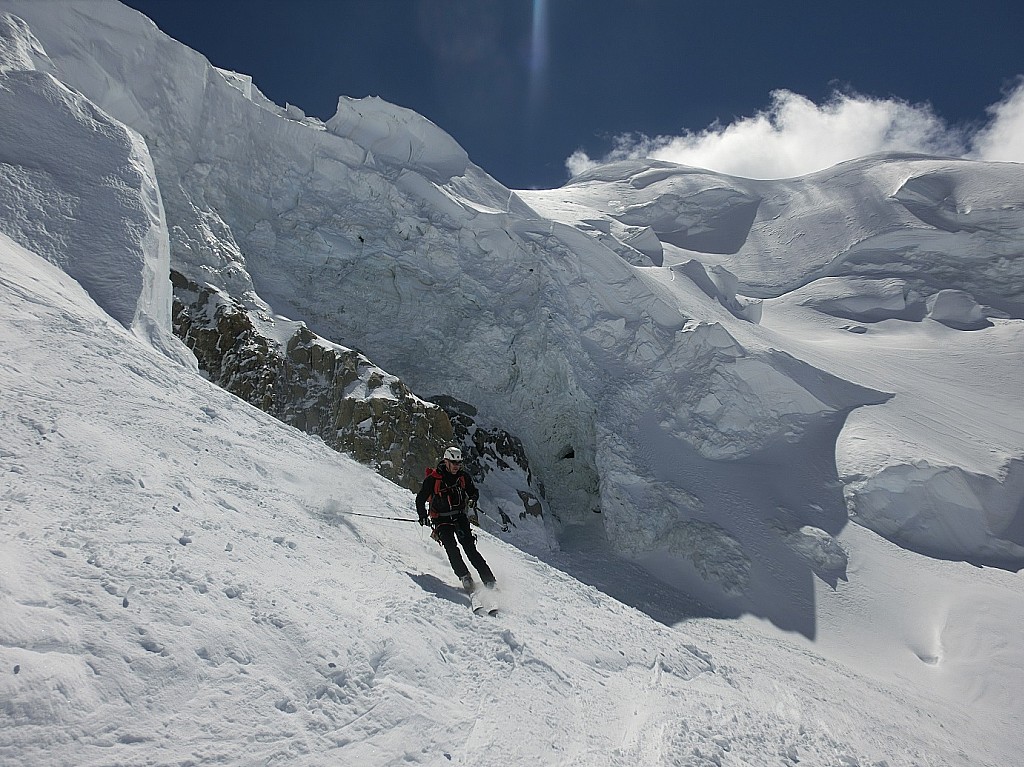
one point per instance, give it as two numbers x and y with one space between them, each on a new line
538 57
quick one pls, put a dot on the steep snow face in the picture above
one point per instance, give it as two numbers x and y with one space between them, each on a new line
647 394
99 217
423 278
19 49
399 137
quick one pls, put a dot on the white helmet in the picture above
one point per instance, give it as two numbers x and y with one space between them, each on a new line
453 454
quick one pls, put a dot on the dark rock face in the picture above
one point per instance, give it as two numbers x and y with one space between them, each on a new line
314 385
498 462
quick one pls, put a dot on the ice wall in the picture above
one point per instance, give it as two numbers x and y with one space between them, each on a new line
79 188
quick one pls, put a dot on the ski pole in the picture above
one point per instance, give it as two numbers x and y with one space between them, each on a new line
502 525
376 516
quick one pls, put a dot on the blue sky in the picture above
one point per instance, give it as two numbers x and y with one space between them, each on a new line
753 88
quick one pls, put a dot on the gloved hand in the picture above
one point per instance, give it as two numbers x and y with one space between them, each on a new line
424 521
472 503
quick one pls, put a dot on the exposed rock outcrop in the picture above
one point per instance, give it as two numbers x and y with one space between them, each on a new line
497 459
311 384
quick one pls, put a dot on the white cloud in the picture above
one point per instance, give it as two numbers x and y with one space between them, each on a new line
1002 140
578 162
794 136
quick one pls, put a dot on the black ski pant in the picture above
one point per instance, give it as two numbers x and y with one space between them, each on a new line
457 529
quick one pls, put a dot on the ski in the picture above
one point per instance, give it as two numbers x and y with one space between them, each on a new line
483 602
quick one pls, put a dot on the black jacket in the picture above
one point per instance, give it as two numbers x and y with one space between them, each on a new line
446 494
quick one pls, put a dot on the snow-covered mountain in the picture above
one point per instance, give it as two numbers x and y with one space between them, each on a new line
795 400
181 581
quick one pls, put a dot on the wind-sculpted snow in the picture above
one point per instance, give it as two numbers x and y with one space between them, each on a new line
399 137
946 511
99 218
937 466
19 49
651 396
957 309
953 197
939 223
862 299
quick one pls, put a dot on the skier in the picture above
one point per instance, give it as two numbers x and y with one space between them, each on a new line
441 503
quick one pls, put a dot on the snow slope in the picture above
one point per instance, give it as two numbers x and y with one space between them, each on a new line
182 583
